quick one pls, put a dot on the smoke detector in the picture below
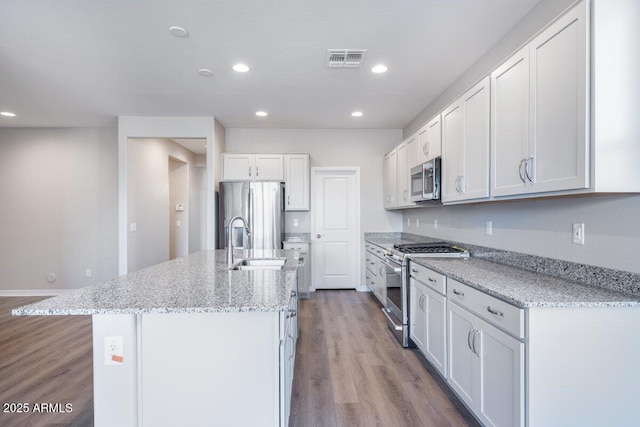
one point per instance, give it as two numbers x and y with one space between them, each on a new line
345 58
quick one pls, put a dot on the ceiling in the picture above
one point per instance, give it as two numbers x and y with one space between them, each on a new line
83 63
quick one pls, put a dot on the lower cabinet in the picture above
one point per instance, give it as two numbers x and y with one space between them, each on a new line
375 272
428 324
289 337
486 368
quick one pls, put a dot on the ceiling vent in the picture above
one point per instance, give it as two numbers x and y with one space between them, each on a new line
345 58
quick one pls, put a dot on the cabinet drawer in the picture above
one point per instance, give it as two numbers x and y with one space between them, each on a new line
296 246
500 313
371 262
435 281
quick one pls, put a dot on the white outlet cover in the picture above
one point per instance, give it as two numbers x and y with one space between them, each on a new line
489 228
418 222
578 233
113 351
435 224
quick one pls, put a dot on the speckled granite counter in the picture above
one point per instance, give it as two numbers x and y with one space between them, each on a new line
519 286
198 283
525 288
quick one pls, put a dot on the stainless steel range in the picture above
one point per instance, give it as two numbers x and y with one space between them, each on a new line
397 275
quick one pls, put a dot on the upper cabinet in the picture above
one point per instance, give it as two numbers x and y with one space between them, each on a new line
465 146
296 168
539 112
429 141
390 179
254 167
406 153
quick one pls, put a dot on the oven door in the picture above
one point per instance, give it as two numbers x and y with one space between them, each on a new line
417 186
431 179
396 301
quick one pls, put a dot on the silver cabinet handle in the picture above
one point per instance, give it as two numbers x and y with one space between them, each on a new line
256 170
249 170
292 313
520 170
294 293
381 270
425 149
413 270
494 312
431 280
469 339
528 162
288 201
318 235
473 342
455 291
461 183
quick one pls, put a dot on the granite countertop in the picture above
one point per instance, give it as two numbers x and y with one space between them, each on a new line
198 283
518 286
525 288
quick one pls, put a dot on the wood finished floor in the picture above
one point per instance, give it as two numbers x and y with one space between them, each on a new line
45 359
349 370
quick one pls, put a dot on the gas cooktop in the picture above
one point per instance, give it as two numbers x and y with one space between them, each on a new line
423 250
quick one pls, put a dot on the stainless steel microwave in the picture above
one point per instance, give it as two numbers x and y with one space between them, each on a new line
425 181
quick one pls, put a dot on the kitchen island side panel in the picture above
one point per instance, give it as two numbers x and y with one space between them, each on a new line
583 366
115 386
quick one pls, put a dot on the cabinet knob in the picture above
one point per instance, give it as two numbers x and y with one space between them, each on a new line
318 235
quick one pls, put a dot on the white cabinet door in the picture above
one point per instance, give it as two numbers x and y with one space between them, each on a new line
463 362
510 125
422 144
429 140
559 82
239 167
465 142
296 182
269 167
381 283
404 198
475 178
501 399
412 154
486 368
390 179
417 314
435 348
453 151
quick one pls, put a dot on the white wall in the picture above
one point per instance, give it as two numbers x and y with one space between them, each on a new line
539 227
59 210
148 199
528 26
330 147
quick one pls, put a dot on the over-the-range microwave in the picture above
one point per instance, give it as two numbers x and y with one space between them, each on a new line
425 181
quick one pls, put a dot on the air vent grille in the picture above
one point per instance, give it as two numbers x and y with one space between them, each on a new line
345 58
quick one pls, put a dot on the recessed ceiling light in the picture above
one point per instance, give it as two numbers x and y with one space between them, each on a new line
241 68
179 31
357 114
7 114
379 69
261 113
205 72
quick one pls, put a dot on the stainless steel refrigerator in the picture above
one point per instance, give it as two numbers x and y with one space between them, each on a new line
261 203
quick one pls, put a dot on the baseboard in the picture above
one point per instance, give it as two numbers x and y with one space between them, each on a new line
32 292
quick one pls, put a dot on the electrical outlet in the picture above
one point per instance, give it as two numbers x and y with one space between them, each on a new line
296 222
417 222
113 351
408 222
488 229
87 272
133 227
178 223
578 233
435 224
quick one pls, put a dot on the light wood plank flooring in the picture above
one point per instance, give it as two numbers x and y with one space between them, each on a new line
45 359
349 371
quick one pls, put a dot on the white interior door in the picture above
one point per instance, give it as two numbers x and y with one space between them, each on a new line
335 228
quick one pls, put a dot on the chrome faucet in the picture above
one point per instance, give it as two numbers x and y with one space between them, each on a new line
230 237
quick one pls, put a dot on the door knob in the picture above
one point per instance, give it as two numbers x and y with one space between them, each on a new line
318 235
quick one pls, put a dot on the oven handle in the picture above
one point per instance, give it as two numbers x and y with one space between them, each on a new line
392 266
386 312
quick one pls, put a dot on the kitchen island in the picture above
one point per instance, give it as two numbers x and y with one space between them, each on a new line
190 342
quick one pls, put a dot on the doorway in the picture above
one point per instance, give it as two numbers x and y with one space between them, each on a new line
335 227
178 208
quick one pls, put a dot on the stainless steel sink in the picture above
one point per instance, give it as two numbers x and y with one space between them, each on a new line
260 264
